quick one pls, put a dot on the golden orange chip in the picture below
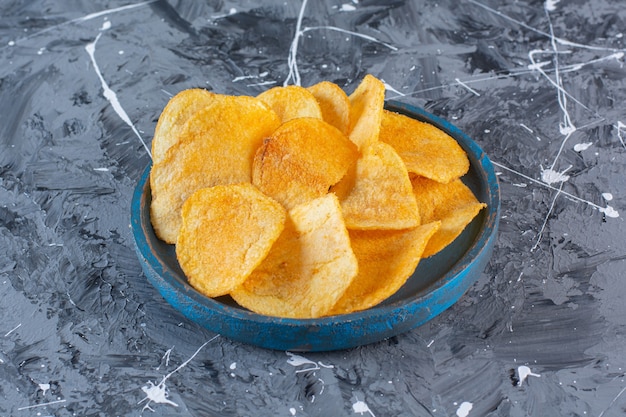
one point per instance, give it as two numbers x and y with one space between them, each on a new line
366 111
381 196
216 147
453 204
426 150
291 102
387 258
308 268
301 160
334 104
226 232
177 111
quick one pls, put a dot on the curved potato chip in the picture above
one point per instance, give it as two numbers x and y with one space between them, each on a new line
290 102
366 111
216 147
308 268
387 258
381 196
453 204
226 232
301 160
426 150
172 120
334 104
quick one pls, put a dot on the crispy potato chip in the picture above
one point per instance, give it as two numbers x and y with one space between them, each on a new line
366 111
426 150
308 268
291 102
381 196
453 204
177 111
387 258
334 104
216 147
226 232
301 160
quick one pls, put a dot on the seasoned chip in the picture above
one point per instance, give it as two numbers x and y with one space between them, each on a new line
301 160
226 232
426 150
453 204
177 111
308 268
387 258
291 102
216 147
381 195
334 104
366 111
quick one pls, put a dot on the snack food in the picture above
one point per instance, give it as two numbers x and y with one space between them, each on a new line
304 202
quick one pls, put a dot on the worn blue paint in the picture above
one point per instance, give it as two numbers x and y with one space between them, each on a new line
437 283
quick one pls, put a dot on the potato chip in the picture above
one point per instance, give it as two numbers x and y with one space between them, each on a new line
381 196
426 150
301 160
334 104
291 102
387 258
216 147
308 268
366 111
453 204
177 111
226 232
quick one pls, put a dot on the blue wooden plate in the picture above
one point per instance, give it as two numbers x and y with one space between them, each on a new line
438 281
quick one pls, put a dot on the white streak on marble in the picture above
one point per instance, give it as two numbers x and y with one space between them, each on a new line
12 330
28 407
471 90
297 360
81 19
110 94
535 181
292 59
619 394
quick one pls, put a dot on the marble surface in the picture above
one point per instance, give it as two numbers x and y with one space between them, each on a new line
539 85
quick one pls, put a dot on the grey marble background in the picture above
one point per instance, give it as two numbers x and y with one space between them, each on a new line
539 85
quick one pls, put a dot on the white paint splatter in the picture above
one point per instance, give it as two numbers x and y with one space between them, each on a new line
297 360
579 147
550 5
524 372
610 212
550 176
233 366
464 409
110 94
347 8
44 388
292 411
158 393
361 407
607 196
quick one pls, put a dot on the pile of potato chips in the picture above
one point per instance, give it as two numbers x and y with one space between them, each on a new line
304 202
